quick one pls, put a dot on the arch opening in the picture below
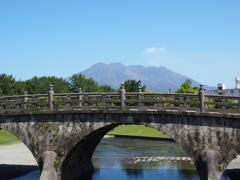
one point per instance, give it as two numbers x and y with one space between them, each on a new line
16 159
104 130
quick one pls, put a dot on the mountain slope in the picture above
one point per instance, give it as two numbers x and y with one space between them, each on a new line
159 79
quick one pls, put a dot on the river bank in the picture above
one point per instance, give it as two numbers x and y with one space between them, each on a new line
16 160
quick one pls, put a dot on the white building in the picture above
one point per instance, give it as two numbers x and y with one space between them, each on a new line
230 92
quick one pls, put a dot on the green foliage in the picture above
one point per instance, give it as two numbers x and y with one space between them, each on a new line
56 162
133 85
149 98
105 88
7 85
41 123
20 87
86 84
48 124
40 85
186 87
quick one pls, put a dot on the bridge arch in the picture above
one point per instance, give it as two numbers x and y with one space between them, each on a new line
200 134
14 154
79 158
22 131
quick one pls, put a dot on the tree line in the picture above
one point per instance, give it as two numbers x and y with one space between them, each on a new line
40 85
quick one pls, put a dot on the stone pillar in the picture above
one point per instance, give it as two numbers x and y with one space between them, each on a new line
48 171
50 94
122 96
25 99
207 164
206 99
201 95
140 97
80 97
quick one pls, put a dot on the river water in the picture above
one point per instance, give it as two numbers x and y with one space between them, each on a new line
132 159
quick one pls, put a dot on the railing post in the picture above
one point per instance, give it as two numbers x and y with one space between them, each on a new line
2 101
80 97
140 97
25 99
206 99
122 96
201 95
50 95
223 100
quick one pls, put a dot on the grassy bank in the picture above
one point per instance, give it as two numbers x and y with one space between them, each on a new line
137 130
6 137
134 130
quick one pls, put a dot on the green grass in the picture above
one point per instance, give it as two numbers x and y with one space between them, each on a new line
7 137
137 130
134 130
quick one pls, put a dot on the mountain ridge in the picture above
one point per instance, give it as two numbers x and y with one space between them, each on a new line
158 79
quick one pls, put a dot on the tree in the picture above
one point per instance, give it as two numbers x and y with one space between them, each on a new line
186 87
7 85
40 85
105 88
133 86
20 87
86 84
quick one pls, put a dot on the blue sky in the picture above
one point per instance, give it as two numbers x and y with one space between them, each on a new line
198 39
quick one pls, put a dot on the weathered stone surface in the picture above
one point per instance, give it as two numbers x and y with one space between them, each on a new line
73 136
207 164
48 171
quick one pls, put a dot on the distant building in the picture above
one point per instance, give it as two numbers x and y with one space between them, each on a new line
230 92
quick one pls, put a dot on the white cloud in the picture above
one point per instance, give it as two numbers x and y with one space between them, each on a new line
154 50
150 50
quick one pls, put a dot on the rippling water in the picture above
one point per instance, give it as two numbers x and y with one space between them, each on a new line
114 159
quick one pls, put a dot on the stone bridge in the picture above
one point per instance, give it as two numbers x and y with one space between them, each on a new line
63 130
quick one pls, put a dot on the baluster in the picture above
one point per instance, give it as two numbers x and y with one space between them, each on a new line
108 98
80 97
104 98
161 104
188 102
238 104
37 99
181 99
171 104
140 98
86 103
33 100
18 105
223 100
50 96
201 95
206 100
68 104
122 96
94 103
25 99
2 106
155 104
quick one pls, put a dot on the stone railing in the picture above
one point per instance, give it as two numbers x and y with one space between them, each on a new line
128 101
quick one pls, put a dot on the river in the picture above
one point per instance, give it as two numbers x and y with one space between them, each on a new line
132 159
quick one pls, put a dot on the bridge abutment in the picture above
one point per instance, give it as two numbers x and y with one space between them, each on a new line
207 164
48 170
